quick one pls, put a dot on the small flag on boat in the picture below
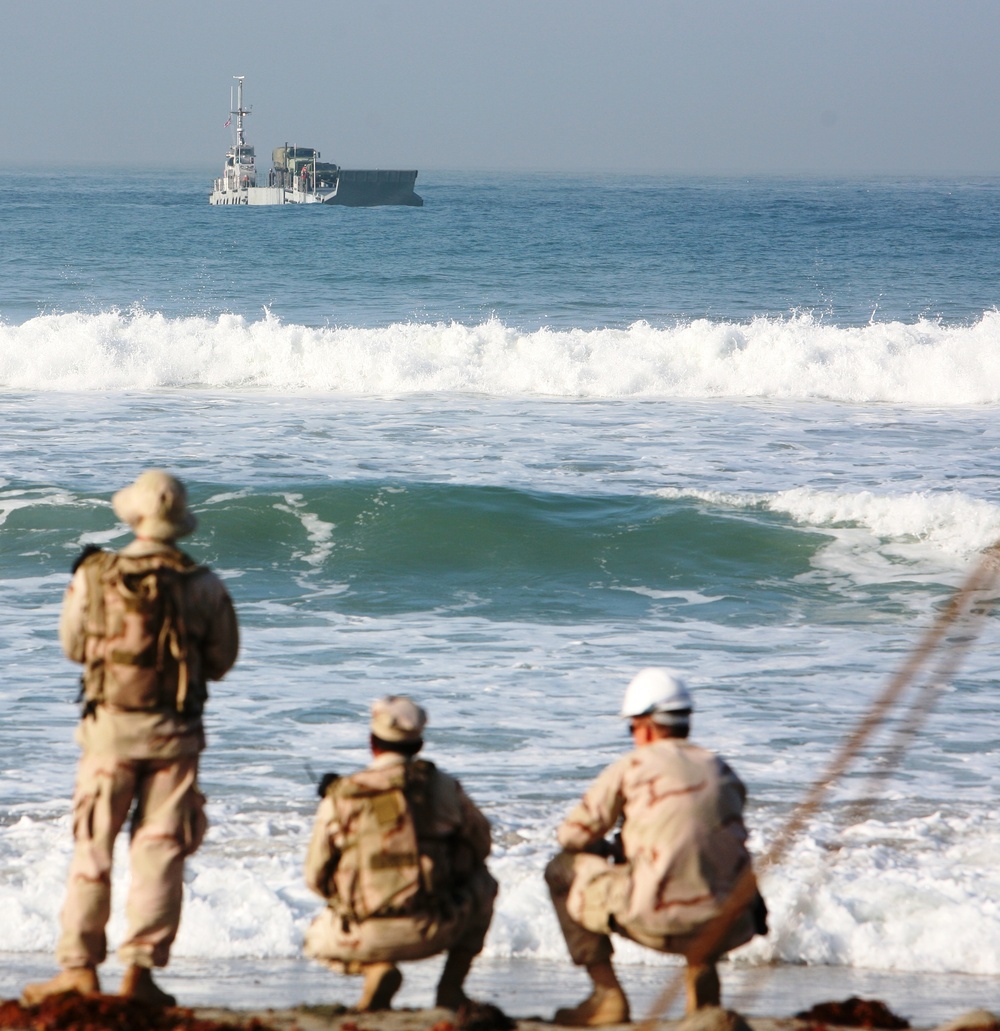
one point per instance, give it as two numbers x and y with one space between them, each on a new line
228 121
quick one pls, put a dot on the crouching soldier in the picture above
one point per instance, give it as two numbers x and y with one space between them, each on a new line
680 854
398 850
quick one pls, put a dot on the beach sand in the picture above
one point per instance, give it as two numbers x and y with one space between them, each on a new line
108 1013
529 987
290 993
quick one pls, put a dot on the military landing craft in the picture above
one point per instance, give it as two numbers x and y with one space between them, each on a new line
297 175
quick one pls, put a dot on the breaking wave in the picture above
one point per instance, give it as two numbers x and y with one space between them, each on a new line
790 358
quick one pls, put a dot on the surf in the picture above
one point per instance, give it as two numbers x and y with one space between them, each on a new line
798 357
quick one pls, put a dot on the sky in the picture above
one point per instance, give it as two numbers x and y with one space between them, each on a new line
726 87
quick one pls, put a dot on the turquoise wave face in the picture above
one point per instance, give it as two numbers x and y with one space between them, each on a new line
498 553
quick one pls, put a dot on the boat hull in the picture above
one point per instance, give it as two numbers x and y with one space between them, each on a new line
356 188
369 187
251 195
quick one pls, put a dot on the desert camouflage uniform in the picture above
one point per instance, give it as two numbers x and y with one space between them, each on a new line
151 758
452 910
684 842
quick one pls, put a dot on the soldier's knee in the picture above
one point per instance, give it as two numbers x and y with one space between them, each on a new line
482 892
489 889
559 873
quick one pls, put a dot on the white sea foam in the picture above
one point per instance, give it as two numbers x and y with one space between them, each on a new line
897 897
522 709
948 522
318 531
925 363
914 895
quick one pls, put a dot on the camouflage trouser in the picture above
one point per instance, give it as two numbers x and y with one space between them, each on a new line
458 927
168 823
590 897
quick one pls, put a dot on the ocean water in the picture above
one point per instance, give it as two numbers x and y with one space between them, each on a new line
500 452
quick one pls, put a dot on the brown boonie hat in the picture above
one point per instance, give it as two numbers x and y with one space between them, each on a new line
155 506
398 718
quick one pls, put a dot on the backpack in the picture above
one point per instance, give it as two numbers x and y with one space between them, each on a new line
136 646
382 871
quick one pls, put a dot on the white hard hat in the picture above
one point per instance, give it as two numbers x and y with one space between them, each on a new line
660 693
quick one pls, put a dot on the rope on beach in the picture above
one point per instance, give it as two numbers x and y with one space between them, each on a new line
967 607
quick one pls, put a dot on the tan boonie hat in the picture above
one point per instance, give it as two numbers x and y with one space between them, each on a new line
155 506
397 718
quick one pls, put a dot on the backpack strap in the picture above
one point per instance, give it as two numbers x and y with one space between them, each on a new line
95 566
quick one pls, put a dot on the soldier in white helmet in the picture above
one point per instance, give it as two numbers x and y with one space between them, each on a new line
399 851
680 853
151 627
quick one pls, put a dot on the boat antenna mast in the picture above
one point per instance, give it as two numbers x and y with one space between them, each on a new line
239 110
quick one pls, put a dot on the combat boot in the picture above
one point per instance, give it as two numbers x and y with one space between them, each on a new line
605 1005
701 981
138 984
382 981
73 979
450 993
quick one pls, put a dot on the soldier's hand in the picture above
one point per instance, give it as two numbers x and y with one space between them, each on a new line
618 850
602 847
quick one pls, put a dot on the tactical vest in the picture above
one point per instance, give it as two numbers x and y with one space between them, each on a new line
136 647
382 870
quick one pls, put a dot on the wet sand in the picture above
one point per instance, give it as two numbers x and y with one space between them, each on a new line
292 993
108 1013
307 1019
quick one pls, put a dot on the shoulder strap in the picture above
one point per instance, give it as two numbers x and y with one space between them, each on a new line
418 773
95 567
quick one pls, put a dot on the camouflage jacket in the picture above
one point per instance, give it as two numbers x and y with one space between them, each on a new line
682 832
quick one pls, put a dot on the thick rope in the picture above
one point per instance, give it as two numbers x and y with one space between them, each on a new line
968 601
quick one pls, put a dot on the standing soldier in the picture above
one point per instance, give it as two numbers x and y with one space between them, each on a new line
150 627
398 850
681 851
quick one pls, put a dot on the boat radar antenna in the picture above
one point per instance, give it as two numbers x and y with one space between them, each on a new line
239 110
